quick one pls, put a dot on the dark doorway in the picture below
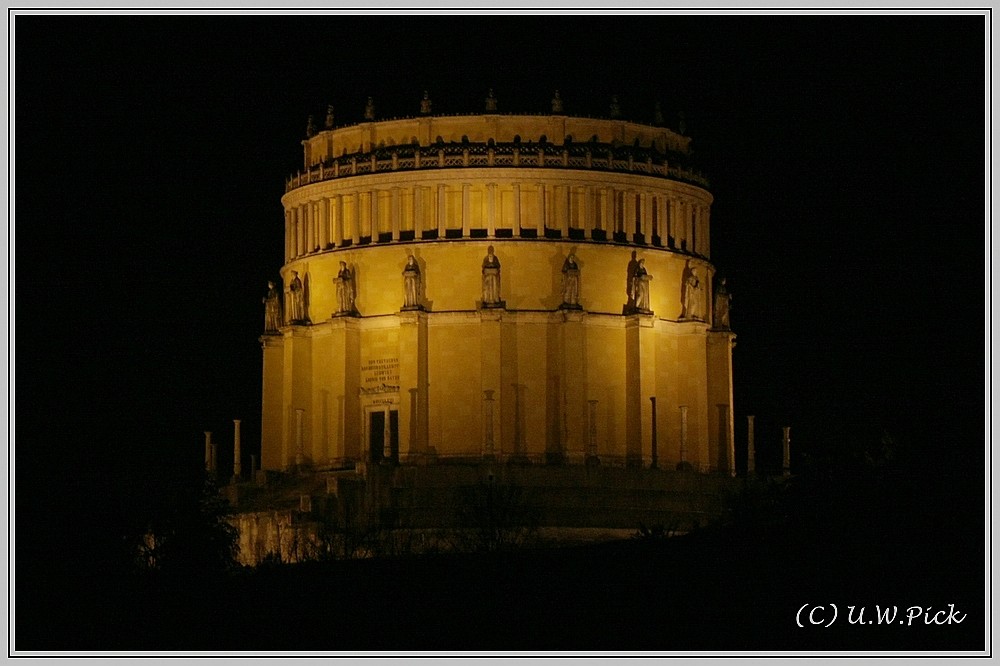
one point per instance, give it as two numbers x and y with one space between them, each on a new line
376 435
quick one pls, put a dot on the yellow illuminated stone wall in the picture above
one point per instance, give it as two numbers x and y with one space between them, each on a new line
530 379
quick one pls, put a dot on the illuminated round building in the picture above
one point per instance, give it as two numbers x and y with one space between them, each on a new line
516 288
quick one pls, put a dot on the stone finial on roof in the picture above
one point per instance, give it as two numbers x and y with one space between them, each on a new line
370 109
328 123
310 128
425 104
557 103
616 109
491 101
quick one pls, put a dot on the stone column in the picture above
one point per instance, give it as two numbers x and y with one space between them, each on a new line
786 463
689 223
661 218
491 210
208 451
751 454
564 205
442 210
633 394
314 214
695 231
517 210
652 400
466 212
395 215
309 220
488 446
684 432
412 448
706 236
356 220
288 236
336 220
670 222
543 221
299 457
574 367
646 218
324 223
591 430
413 380
629 213
300 235
237 463
610 212
418 209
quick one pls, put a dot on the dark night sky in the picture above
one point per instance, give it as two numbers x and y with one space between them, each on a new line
846 155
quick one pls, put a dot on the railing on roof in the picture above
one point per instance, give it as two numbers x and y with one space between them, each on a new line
591 156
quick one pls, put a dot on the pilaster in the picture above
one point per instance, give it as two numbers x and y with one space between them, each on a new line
412 385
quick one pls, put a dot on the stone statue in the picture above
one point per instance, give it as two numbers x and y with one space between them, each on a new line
633 264
272 309
310 128
658 114
295 306
491 279
640 287
411 284
557 104
692 296
425 104
571 282
720 315
328 123
616 109
345 290
370 109
491 101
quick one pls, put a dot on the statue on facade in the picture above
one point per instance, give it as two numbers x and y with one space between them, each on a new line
491 101
658 114
425 104
310 128
272 309
640 288
370 109
616 109
328 123
571 283
411 284
295 304
692 296
491 279
633 263
557 103
720 314
345 290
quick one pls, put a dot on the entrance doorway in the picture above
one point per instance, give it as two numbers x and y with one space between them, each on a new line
383 435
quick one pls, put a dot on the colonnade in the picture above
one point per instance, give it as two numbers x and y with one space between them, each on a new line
496 210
